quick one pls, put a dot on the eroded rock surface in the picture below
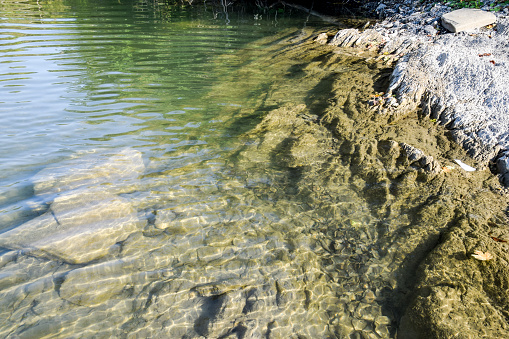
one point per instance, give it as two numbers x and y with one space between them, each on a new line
462 87
457 79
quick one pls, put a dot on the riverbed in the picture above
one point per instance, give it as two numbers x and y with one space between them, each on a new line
191 172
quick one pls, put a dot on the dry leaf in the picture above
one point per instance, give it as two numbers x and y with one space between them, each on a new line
480 255
498 239
447 169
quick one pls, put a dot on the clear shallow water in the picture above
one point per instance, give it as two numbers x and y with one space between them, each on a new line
102 74
137 203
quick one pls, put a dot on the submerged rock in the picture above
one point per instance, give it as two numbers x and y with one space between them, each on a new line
114 171
457 295
79 227
85 217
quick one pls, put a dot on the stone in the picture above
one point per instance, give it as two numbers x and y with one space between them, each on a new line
99 283
462 90
428 29
79 227
322 38
503 168
369 38
466 19
116 171
164 218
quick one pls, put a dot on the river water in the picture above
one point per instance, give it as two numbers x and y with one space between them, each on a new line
170 171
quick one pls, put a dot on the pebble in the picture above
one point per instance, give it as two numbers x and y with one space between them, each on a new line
430 30
359 324
369 296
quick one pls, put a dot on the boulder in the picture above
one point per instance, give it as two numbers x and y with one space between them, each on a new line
466 19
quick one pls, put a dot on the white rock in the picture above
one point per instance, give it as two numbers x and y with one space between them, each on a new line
464 166
467 19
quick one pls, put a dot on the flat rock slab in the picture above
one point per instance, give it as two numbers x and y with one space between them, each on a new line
80 227
467 19
118 171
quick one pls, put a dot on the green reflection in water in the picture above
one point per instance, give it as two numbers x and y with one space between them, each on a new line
86 73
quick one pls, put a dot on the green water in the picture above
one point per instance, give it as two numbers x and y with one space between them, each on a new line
202 171
95 74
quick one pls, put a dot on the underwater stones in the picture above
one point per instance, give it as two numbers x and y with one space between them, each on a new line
79 227
97 284
114 171
465 19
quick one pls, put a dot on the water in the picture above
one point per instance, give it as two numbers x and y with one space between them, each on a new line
185 172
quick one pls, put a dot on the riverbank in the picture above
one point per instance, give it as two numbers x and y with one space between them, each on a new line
457 79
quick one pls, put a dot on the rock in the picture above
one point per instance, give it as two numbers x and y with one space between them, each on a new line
417 158
85 217
412 153
369 39
164 218
322 38
455 295
467 19
97 284
91 170
428 29
79 227
503 168
456 84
